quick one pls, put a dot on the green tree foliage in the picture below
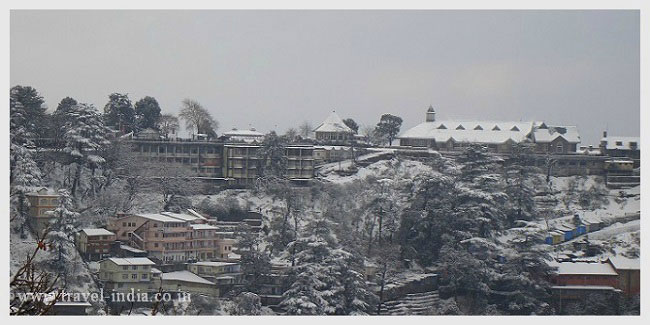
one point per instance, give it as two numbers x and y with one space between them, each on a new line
119 113
389 126
351 124
27 112
147 113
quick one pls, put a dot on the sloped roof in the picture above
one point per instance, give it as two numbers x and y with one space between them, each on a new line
185 276
333 123
471 131
569 133
245 133
131 261
97 232
208 263
625 142
622 263
568 268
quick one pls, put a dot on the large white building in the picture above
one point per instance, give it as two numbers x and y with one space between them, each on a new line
498 136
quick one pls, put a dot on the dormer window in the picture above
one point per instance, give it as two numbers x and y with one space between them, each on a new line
496 128
619 143
478 127
460 127
514 128
442 127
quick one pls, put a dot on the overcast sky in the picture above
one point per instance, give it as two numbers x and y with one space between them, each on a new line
274 69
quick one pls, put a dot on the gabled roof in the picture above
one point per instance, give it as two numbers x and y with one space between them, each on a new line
130 261
622 263
243 133
550 133
96 232
185 276
611 142
493 132
333 123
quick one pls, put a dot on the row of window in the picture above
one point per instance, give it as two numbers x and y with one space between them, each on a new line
134 276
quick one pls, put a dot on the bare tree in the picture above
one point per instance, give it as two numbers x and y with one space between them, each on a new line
197 118
305 129
168 124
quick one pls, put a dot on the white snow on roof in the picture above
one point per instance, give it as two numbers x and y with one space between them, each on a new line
246 133
493 132
585 287
622 263
621 143
157 217
198 215
333 123
97 232
206 263
203 227
131 261
569 133
568 268
185 276
182 216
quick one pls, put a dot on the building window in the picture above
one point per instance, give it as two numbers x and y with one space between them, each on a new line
134 276
144 275
125 267
134 267
559 148
125 276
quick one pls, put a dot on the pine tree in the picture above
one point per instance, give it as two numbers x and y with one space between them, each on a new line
63 227
25 176
315 278
521 176
119 112
84 134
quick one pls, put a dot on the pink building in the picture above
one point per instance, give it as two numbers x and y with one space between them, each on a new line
170 237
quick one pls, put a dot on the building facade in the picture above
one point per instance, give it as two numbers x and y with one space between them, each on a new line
95 243
333 130
497 136
42 204
124 274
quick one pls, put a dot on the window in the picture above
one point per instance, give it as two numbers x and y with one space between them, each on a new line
559 148
478 127
124 267
442 127
123 224
460 127
144 275
125 276
134 267
514 128
619 143
155 244
496 128
134 276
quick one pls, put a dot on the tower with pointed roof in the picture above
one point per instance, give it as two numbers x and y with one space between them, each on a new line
431 114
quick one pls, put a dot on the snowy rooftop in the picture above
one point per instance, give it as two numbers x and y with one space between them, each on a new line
131 249
471 131
203 227
585 287
158 217
622 263
244 133
548 134
185 276
568 268
131 261
183 216
333 123
97 232
206 263
621 143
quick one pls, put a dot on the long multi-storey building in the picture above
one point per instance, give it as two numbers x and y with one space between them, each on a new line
234 162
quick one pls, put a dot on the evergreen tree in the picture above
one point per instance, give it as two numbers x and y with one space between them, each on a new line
63 228
119 113
27 111
315 278
84 134
388 127
272 162
147 113
521 176
255 264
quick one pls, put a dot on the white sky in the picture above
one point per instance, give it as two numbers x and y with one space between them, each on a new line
274 69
